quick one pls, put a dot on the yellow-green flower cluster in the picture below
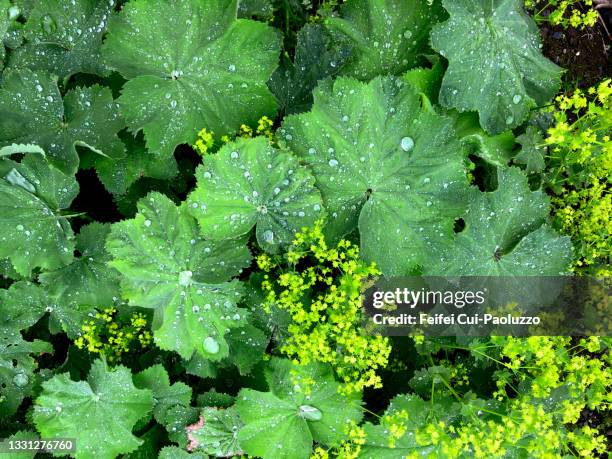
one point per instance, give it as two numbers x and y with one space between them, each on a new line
204 142
112 336
565 13
559 377
264 128
321 288
580 171
206 139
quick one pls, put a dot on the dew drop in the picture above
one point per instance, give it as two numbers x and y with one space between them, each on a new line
21 380
407 143
268 236
211 345
516 99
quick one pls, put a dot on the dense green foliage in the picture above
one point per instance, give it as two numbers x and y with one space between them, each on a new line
193 193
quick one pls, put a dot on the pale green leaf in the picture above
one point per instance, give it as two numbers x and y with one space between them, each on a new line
64 37
167 266
382 164
98 413
33 232
505 234
495 63
385 36
191 64
32 112
249 183
496 150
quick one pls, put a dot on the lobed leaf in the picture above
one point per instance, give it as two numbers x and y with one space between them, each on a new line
98 413
32 112
34 233
190 64
384 165
384 36
495 63
166 266
247 184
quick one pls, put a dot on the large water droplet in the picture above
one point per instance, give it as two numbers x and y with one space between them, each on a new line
310 413
185 278
268 237
333 162
407 143
211 345
13 12
516 99
21 380
510 119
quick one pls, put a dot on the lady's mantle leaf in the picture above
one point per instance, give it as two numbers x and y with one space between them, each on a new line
99 413
249 183
191 64
166 266
64 37
385 36
495 63
216 433
505 235
299 408
87 280
385 164
32 112
33 234
165 395
316 58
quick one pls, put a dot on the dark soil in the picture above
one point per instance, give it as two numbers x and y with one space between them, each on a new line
584 53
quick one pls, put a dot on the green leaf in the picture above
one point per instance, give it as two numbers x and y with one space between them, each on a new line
165 395
247 347
87 281
505 234
32 196
316 58
117 175
383 164
261 9
22 435
496 150
495 63
17 378
216 433
214 75
166 266
249 183
427 80
99 413
64 37
173 452
385 36
299 408
532 150
21 305
32 112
